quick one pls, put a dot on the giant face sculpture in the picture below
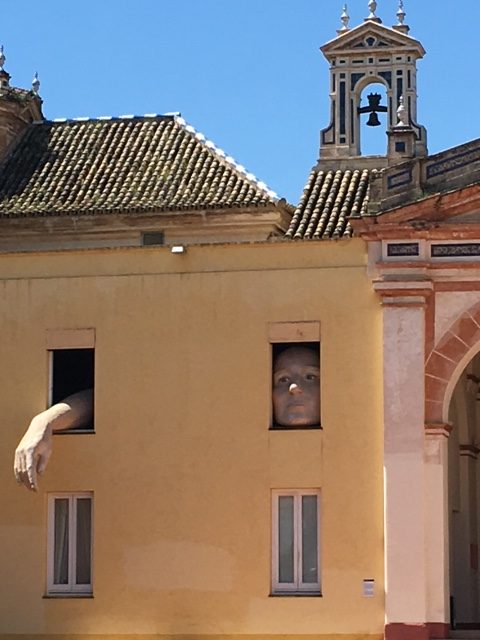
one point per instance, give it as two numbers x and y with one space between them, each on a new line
296 387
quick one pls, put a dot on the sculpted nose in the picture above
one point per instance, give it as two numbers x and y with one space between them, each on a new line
294 388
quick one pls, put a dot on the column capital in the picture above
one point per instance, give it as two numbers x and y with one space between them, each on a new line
437 429
469 451
403 293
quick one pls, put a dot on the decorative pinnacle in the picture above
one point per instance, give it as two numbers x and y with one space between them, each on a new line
345 18
402 113
372 5
401 13
2 57
35 83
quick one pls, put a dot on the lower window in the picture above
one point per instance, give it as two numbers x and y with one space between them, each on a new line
296 542
70 543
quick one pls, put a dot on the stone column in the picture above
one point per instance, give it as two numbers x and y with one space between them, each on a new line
437 529
467 550
404 434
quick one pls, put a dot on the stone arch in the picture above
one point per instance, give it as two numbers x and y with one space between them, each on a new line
364 82
446 362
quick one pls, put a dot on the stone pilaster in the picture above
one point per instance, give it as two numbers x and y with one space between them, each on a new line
403 304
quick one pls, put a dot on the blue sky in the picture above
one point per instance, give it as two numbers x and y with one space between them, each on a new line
246 73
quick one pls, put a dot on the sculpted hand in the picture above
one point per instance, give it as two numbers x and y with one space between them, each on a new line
33 452
35 448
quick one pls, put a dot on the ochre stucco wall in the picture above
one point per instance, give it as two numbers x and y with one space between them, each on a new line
182 462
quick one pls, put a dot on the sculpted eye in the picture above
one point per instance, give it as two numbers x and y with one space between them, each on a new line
311 377
282 380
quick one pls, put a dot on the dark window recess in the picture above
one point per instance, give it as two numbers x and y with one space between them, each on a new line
399 87
72 370
387 76
400 147
352 123
342 108
152 238
409 79
354 78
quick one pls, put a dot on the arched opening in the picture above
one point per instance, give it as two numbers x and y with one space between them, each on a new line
373 125
464 497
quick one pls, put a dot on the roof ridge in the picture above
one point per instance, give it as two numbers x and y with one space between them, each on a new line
228 159
159 116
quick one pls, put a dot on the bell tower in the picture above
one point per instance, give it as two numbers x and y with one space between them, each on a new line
372 53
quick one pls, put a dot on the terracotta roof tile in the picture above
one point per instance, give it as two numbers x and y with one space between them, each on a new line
329 200
154 163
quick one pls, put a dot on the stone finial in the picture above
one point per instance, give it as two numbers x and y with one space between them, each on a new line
345 19
402 115
2 57
401 13
401 26
35 83
372 7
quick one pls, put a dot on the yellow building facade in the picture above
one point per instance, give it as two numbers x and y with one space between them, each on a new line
183 461
140 262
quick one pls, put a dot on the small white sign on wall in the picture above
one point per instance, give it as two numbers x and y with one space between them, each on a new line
368 588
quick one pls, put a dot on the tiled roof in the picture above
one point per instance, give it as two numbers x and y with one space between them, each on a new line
329 199
126 164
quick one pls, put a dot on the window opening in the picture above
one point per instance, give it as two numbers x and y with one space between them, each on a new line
70 543
296 385
296 541
71 370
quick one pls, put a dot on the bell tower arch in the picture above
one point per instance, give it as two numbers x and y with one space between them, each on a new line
372 54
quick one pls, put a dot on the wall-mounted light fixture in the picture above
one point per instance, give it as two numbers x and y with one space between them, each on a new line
178 248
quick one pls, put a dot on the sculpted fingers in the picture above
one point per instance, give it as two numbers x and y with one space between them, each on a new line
17 467
24 468
31 471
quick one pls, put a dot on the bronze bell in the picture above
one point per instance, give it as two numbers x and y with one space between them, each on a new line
373 120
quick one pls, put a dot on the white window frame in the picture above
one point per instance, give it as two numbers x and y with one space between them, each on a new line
71 587
297 586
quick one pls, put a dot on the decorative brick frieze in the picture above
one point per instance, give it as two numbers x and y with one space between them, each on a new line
450 161
441 363
455 250
396 249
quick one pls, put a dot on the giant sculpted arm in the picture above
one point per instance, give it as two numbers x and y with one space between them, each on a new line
35 448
